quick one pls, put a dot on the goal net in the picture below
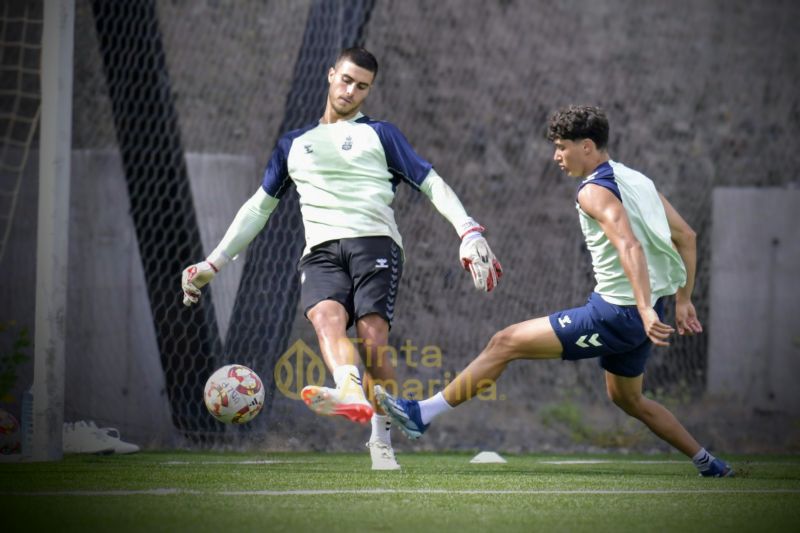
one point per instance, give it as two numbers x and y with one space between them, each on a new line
20 40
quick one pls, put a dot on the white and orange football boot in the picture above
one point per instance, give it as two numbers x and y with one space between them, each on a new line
348 401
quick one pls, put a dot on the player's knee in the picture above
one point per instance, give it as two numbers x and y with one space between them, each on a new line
327 316
501 346
628 402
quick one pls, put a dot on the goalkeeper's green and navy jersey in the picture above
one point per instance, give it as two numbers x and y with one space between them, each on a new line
649 223
346 174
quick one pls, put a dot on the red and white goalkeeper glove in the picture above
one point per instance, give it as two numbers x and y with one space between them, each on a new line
195 278
478 259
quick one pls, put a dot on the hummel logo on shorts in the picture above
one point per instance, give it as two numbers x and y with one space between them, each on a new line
381 263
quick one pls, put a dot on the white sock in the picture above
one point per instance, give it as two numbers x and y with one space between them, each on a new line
433 407
343 373
381 424
702 459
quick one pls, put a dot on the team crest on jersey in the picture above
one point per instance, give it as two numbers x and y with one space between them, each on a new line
348 143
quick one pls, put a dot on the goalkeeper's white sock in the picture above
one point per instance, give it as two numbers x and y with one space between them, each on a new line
343 373
702 459
381 426
433 407
347 376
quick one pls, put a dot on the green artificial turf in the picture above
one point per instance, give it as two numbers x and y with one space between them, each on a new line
233 492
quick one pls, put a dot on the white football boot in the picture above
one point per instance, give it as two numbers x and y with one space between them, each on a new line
348 401
382 456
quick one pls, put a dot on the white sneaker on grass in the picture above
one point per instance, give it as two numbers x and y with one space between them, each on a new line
382 456
349 403
120 446
86 437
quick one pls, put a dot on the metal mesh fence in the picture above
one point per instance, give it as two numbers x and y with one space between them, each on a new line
471 84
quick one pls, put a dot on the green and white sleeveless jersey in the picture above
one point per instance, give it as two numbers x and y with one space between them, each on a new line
649 223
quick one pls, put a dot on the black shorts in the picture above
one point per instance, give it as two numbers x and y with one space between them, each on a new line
362 274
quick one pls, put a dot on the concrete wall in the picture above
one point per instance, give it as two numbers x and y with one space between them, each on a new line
754 343
113 369
113 372
220 184
18 279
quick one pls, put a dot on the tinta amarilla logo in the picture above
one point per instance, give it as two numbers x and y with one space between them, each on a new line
300 366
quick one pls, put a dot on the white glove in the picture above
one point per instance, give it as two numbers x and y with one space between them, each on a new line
478 259
195 278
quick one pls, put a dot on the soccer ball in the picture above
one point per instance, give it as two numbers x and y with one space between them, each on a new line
9 433
234 394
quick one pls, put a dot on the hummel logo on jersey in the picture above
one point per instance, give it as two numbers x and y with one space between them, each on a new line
308 148
381 263
592 340
348 143
564 320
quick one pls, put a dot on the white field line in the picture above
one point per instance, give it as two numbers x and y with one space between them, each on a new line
335 492
555 462
657 462
532 492
606 461
143 492
251 462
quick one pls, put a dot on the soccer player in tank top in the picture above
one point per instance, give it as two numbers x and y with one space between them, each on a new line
642 251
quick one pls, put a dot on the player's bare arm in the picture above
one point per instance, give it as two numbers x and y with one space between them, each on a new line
685 240
601 204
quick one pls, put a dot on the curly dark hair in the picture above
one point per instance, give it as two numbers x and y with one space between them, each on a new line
579 122
360 57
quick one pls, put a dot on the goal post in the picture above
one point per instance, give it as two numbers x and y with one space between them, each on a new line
53 229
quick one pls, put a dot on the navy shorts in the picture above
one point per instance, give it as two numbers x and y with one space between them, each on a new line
614 333
362 274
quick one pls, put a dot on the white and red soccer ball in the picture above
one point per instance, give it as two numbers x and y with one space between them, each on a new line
9 433
234 394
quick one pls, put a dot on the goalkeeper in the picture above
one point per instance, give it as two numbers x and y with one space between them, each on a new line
346 168
642 251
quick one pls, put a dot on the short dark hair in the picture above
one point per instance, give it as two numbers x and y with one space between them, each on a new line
579 122
360 57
